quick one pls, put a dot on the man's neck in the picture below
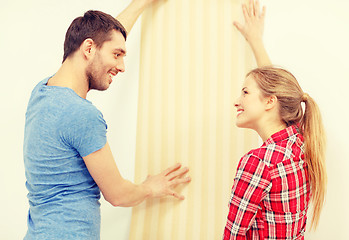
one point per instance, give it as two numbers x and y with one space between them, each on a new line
71 75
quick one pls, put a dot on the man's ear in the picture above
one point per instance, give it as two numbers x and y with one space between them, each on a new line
88 48
271 102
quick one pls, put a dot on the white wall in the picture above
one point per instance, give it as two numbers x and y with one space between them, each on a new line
308 37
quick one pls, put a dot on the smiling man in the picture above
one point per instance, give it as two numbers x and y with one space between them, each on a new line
92 57
68 161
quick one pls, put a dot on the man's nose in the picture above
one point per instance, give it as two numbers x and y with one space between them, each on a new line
120 66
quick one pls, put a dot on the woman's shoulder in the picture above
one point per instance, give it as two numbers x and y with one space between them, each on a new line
269 154
254 156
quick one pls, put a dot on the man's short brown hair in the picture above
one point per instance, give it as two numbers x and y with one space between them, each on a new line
96 25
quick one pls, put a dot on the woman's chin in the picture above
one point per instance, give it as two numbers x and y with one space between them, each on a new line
239 124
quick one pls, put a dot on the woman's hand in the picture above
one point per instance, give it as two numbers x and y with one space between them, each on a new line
253 28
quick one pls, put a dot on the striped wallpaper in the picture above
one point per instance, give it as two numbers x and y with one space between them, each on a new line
193 63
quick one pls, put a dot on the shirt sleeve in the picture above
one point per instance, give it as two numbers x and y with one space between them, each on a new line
251 185
85 130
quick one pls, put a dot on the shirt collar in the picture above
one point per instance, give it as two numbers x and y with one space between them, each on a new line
283 134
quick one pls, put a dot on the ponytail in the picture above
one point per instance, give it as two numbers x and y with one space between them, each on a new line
315 144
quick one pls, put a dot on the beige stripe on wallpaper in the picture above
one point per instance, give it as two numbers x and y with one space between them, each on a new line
193 63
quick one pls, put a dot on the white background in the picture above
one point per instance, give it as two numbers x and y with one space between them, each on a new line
310 38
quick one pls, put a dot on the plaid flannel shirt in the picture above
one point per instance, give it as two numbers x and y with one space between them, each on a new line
271 191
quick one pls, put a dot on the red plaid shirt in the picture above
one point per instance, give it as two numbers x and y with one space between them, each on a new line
271 191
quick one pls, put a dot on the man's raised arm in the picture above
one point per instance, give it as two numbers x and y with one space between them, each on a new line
130 14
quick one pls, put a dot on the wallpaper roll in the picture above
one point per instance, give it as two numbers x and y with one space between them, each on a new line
193 63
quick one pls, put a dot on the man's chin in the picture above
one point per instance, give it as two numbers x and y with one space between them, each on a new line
100 88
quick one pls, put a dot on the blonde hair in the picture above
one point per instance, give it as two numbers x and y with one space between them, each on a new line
282 84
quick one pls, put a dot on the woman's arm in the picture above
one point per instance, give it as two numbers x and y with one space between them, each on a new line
131 13
252 183
253 29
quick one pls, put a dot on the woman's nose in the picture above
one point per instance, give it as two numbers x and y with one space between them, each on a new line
236 102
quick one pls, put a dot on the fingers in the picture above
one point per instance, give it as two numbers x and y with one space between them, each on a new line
180 181
171 169
176 195
175 183
177 173
260 14
246 12
263 12
257 7
252 12
252 9
174 179
239 27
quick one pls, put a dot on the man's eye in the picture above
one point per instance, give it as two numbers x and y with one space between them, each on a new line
117 54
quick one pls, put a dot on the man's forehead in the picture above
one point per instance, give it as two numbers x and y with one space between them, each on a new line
117 41
117 34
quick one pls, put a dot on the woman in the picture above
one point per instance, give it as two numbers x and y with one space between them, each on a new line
275 183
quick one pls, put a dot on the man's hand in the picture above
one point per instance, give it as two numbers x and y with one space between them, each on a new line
131 13
253 28
162 185
147 2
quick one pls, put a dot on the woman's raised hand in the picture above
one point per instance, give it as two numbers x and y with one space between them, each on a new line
253 28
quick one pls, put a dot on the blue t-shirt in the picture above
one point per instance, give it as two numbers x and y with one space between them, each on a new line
60 129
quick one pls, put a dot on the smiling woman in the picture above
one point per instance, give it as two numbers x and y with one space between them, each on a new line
251 106
276 182
272 187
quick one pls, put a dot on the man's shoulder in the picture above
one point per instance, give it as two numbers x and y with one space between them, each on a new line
80 110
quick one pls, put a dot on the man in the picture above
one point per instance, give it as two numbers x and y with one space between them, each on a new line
67 157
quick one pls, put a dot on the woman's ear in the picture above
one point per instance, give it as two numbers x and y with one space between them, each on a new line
88 48
271 102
